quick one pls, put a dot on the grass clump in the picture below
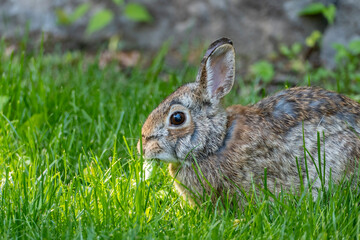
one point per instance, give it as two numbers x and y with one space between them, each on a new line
69 167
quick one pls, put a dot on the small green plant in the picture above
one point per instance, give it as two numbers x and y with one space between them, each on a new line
314 38
290 52
137 13
264 70
329 12
100 19
345 73
293 53
67 19
347 60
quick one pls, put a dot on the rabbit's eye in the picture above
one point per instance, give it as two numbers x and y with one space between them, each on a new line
177 118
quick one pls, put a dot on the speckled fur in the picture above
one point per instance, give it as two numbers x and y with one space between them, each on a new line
232 147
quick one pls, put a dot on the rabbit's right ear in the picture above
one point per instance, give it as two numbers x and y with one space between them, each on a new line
217 71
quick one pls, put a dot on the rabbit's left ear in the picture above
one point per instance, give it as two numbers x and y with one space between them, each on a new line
217 72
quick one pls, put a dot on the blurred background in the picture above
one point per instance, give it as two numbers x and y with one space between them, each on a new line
258 28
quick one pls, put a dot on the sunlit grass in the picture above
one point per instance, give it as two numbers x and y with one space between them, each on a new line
69 167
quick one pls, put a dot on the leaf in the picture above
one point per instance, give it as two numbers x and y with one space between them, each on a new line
66 19
313 39
35 121
284 50
99 20
114 43
312 9
296 48
62 17
118 2
264 70
341 52
137 13
3 101
329 13
125 59
86 116
80 11
354 47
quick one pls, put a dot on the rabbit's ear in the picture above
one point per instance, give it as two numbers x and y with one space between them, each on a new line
217 71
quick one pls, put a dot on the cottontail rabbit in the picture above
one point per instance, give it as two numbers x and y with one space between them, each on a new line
222 150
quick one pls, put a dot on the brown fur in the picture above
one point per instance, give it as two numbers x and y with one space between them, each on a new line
232 147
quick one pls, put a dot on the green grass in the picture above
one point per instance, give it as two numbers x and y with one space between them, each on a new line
69 166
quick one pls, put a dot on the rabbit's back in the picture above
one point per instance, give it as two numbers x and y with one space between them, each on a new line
288 127
288 108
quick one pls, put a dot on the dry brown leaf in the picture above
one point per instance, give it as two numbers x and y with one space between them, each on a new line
125 59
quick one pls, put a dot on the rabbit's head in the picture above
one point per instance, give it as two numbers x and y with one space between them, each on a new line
192 120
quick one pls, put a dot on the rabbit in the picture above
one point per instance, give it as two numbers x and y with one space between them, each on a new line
220 151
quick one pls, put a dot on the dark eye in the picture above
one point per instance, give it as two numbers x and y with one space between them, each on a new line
177 118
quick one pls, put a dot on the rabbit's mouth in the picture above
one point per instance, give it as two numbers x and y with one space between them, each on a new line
153 150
